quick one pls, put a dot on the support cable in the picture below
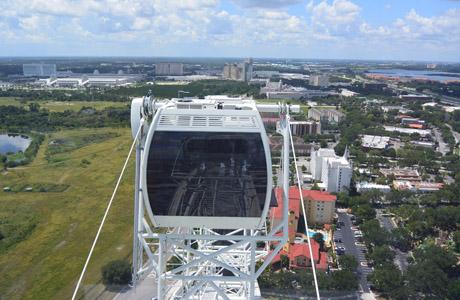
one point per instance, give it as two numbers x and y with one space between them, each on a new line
106 212
313 265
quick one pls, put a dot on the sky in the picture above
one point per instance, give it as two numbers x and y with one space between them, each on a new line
426 30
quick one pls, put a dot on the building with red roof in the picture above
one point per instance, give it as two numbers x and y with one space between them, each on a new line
415 125
299 256
320 208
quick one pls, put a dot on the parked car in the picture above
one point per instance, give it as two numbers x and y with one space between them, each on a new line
340 250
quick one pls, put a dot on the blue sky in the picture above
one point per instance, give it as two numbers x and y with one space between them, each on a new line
348 29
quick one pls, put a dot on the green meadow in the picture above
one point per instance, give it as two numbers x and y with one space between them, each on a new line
60 106
46 232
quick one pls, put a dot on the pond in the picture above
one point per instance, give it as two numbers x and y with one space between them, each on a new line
13 143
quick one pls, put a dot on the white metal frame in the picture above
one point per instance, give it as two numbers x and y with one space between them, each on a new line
201 263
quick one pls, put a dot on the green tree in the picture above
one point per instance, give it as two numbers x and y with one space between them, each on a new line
427 279
442 257
364 212
117 272
34 107
345 280
454 289
382 255
456 238
319 238
315 187
400 238
285 263
388 280
348 262
373 233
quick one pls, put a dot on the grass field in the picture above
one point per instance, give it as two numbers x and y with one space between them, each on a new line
60 226
60 106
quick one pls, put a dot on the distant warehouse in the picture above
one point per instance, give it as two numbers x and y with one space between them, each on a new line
106 80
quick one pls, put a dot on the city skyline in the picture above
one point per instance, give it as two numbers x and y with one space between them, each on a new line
340 29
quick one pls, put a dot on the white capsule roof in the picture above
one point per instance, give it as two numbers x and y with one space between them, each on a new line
207 163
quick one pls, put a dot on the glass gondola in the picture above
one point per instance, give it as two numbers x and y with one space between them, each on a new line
208 167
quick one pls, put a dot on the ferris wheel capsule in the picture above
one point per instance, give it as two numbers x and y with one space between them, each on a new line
207 163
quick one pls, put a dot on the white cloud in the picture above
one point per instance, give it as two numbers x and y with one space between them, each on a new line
206 24
337 13
334 21
415 27
266 3
29 23
140 23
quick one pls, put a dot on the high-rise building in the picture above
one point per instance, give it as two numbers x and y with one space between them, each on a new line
247 69
316 161
320 208
241 71
301 128
319 80
169 69
334 171
39 69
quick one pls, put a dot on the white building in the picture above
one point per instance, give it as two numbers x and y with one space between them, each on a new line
319 80
348 93
334 171
79 81
375 141
363 187
422 132
328 115
316 161
5 85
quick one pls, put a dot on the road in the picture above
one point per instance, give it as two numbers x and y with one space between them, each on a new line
387 223
345 233
455 134
443 147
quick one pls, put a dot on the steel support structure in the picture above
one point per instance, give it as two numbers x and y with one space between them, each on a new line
202 263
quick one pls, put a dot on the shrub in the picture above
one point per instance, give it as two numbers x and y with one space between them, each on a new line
117 272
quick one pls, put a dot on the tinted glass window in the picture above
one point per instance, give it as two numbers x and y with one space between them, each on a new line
207 174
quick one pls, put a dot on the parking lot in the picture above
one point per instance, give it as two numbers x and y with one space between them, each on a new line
345 237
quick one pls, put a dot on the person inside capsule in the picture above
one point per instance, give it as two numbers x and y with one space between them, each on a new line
207 174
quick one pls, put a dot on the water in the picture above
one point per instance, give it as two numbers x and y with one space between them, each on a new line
430 75
311 233
13 143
